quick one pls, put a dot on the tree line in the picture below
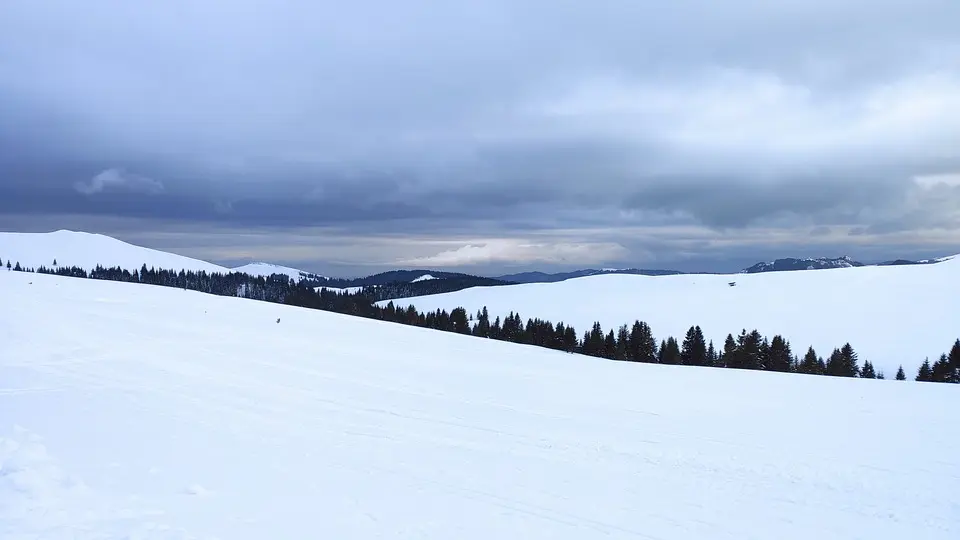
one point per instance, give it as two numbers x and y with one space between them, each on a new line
631 343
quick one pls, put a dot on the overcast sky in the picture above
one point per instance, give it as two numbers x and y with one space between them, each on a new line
486 135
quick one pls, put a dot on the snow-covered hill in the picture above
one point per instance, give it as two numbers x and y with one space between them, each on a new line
159 413
891 315
267 269
820 263
87 250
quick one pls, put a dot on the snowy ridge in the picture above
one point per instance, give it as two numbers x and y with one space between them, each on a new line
425 277
268 269
180 412
87 250
866 306
820 263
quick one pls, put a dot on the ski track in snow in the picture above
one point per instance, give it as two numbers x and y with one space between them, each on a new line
132 411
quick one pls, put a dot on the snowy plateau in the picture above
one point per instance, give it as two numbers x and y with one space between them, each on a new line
891 315
132 411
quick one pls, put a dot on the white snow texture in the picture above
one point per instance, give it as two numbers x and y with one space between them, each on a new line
137 412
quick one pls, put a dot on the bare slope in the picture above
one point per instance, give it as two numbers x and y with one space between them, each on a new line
891 314
132 411
87 250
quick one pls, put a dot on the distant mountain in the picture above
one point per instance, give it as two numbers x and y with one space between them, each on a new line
822 263
542 277
788 264
406 283
267 269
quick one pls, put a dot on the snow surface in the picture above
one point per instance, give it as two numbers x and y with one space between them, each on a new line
425 277
891 315
87 250
268 269
157 413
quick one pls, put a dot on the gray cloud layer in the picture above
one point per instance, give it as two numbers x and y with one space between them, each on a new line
542 132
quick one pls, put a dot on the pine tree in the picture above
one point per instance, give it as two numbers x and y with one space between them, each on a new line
643 345
880 375
780 356
809 363
868 371
729 357
941 371
670 351
954 360
851 367
925 373
711 354
694 350
901 376
623 343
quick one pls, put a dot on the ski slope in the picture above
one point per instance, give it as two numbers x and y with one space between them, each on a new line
134 411
87 250
891 315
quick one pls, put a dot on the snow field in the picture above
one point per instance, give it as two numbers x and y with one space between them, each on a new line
891 315
133 411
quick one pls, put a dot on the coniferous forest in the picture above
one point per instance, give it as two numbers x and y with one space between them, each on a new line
634 342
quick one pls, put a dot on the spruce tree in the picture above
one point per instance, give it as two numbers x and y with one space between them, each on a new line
711 354
880 375
835 364
851 367
729 358
925 373
809 363
941 370
623 343
670 351
868 371
643 345
901 376
694 350
780 355
954 360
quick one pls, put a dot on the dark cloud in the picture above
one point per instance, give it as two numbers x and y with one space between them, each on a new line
542 123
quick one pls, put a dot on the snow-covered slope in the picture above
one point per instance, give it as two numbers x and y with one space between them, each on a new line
891 315
425 277
267 269
159 413
87 250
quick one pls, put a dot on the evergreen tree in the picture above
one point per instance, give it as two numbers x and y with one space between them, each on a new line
8 265
729 357
623 343
643 345
835 364
16 267
694 350
711 354
868 371
851 365
610 345
954 360
901 376
809 363
941 370
670 351
925 373
880 375
780 356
